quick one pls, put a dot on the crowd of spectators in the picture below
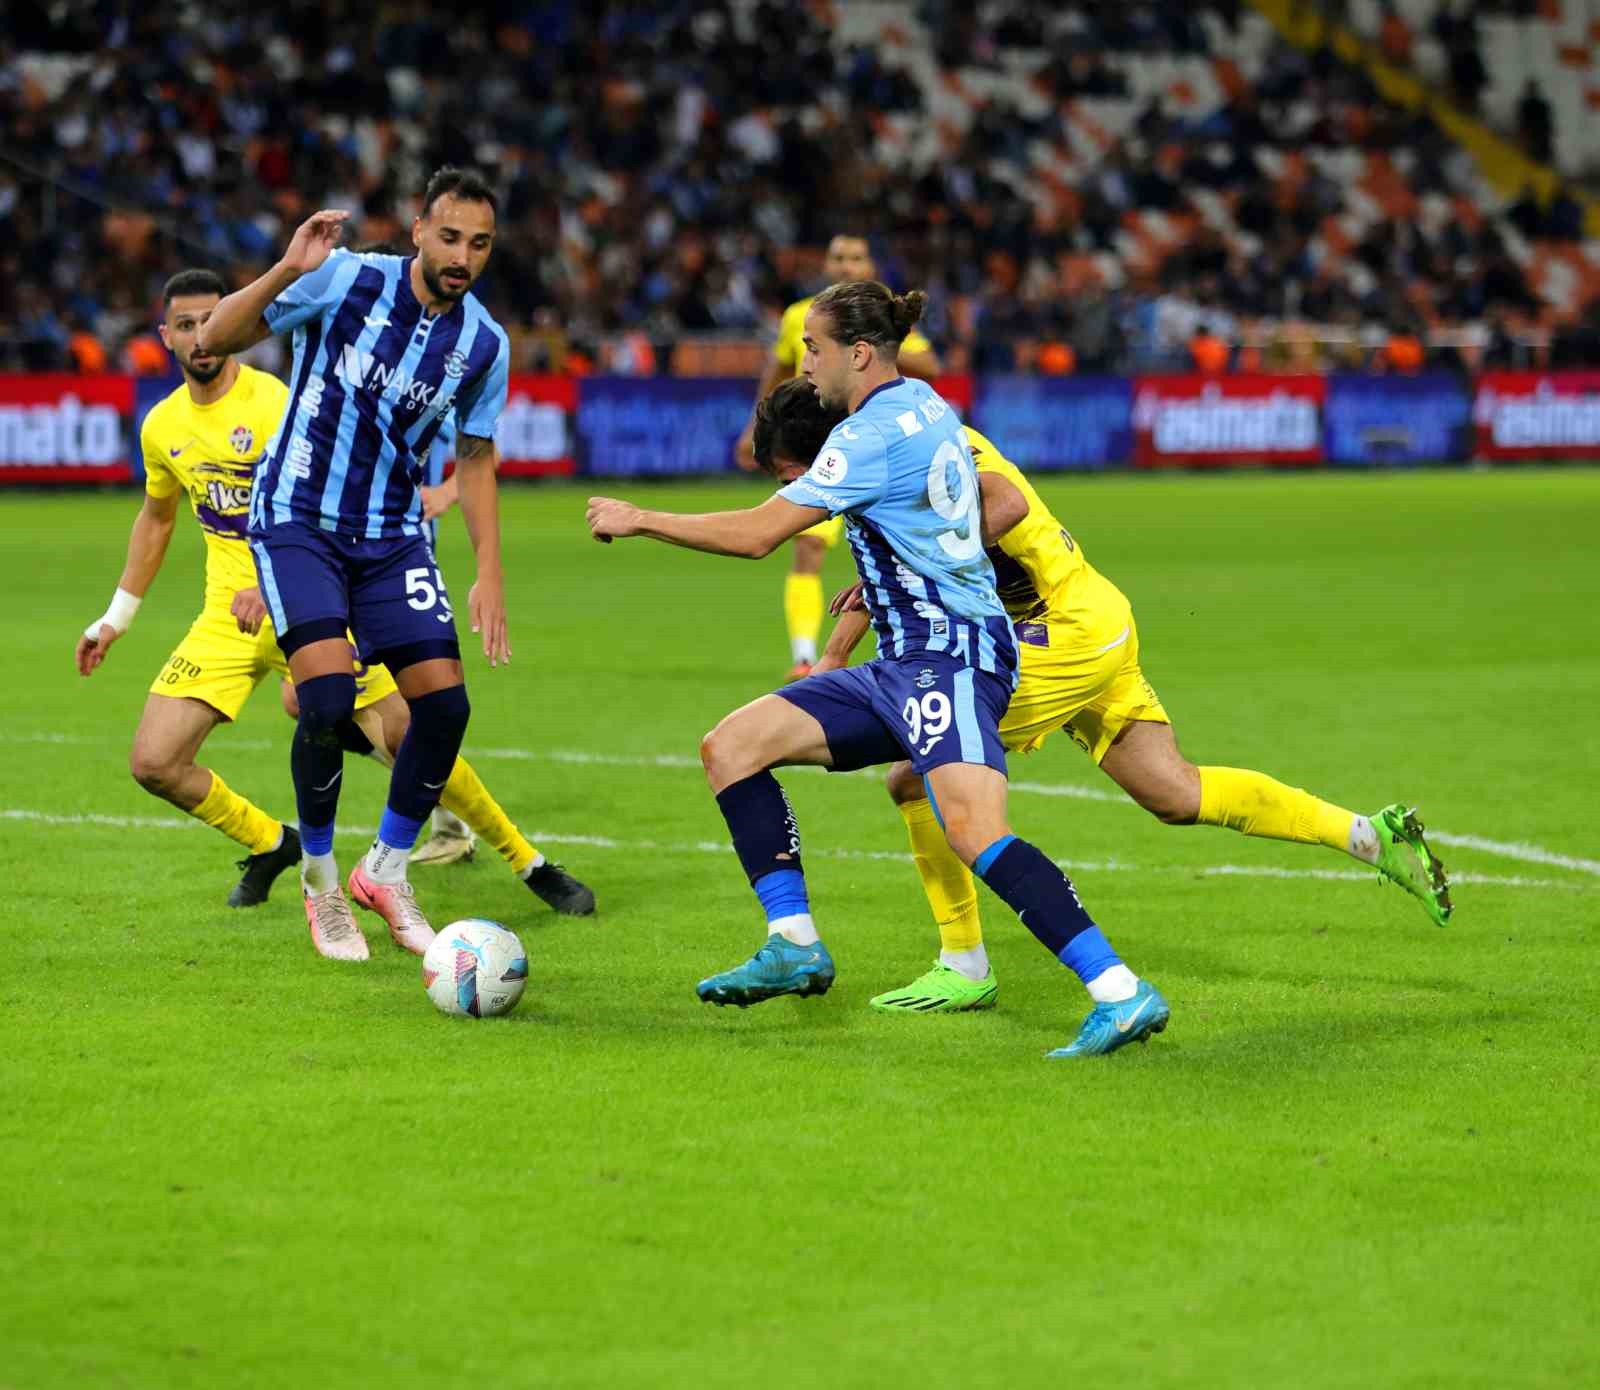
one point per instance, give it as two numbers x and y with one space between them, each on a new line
670 171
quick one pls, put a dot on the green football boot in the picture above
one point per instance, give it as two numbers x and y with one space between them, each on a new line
941 991
1404 858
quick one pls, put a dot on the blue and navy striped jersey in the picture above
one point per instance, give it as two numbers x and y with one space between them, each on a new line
899 470
372 381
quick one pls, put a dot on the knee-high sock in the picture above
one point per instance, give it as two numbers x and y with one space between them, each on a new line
317 756
767 841
465 795
1254 804
952 892
238 818
422 764
1035 889
802 610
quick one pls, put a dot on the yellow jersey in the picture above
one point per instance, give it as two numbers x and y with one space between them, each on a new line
790 347
210 452
1037 564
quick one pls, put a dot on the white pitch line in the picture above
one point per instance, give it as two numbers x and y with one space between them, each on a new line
1526 853
717 847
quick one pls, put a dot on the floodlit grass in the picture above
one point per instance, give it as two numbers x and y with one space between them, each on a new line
1362 1154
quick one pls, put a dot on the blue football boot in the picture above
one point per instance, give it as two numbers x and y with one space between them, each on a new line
1110 1026
779 967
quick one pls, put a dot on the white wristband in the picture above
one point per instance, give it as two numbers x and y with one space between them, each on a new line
119 615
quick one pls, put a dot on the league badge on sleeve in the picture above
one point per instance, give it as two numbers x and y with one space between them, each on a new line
830 468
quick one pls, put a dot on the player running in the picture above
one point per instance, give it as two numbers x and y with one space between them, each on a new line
848 260
1079 672
898 469
384 346
203 440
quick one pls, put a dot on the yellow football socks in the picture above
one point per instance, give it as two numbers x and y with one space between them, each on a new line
225 810
952 893
1254 804
802 610
466 796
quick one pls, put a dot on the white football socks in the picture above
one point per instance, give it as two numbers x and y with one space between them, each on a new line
1364 840
319 873
537 862
448 823
386 863
973 963
798 929
1113 986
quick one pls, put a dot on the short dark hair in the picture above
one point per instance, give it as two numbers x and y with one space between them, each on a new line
452 182
376 248
792 423
192 281
865 311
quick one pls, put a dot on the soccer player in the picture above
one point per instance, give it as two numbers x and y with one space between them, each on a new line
848 260
898 468
203 440
1079 672
384 346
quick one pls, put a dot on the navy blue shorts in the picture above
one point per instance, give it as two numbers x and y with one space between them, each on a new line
388 593
929 708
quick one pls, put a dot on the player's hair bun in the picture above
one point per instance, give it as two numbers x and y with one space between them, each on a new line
907 309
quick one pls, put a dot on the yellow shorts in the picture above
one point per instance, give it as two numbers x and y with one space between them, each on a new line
828 532
1080 675
220 666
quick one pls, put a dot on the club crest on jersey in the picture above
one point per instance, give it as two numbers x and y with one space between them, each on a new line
455 364
830 468
926 680
241 439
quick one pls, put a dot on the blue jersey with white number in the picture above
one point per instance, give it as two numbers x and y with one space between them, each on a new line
899 470
373 379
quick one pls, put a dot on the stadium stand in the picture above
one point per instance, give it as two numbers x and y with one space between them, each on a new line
1081 186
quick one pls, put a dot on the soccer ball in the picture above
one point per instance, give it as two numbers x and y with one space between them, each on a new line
475 967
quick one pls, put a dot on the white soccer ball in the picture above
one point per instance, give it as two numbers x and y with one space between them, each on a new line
475 968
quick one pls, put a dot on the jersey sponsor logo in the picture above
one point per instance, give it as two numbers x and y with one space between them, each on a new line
227 497
363 370
830 468
242 439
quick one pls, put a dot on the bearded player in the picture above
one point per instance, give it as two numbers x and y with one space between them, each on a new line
848 260
384 348
203 441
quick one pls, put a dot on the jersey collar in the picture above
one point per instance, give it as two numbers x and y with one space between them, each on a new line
887 386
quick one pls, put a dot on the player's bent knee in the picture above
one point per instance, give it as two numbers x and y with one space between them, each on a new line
156 773
442 715
903 784
326 702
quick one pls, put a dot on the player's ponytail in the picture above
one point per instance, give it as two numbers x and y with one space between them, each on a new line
866 311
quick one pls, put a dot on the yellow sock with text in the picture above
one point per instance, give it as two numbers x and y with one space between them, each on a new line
802 610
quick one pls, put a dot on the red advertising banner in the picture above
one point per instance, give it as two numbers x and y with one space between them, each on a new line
956 387
65 429
1227 420
1537 415
536 427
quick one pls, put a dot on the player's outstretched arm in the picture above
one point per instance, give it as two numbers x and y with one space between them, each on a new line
1003 506
476 462
147 548
749 534
843 640
239 320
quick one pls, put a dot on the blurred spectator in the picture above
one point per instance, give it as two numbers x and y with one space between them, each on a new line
1209 352
1536 122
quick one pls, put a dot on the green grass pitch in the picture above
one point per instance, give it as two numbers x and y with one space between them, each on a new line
1362 1155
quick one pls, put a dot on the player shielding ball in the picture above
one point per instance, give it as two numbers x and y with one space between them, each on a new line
1079 672
203 441
384 347
848 260
897 467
